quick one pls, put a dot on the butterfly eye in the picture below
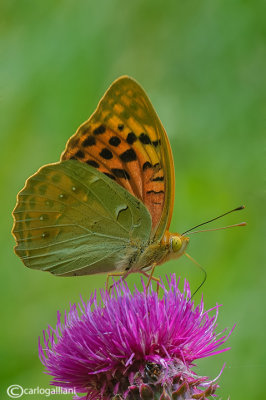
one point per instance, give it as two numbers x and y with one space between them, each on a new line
176 243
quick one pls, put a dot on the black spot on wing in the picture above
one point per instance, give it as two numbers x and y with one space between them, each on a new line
99 130
114 141
106 154
156 142
128 155
109 176
120 173
154 192
93 163
158 179
131 138
144 138
89 141
146 165
120 127
79 154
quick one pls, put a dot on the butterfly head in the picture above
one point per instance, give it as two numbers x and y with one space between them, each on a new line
176 244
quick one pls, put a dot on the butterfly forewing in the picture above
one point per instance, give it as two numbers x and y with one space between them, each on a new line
125 140
71 219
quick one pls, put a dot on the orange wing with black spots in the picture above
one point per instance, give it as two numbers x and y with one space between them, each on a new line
125 140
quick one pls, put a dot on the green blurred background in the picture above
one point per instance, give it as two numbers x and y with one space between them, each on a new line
201 64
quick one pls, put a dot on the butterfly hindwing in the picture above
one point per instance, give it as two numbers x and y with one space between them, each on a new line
70 219
125 140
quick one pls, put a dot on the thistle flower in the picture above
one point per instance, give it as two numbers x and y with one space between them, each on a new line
133 345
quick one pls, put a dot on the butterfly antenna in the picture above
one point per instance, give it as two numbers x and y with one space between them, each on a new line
202 269
219 229
213 219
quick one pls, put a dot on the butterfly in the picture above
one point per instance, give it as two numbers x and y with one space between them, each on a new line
106 207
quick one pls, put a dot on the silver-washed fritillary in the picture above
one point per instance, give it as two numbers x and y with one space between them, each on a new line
107 205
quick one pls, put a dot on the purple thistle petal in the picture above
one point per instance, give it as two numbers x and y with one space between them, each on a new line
98 342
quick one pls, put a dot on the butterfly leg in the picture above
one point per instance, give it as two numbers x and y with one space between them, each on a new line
151 277
123 274
109 276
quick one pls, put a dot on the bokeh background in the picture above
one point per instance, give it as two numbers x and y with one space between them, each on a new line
202 64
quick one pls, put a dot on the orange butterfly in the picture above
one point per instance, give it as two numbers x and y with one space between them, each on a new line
107 205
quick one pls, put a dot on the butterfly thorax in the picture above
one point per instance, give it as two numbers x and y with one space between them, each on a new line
172 246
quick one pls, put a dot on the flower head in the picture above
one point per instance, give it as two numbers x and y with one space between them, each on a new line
132 342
